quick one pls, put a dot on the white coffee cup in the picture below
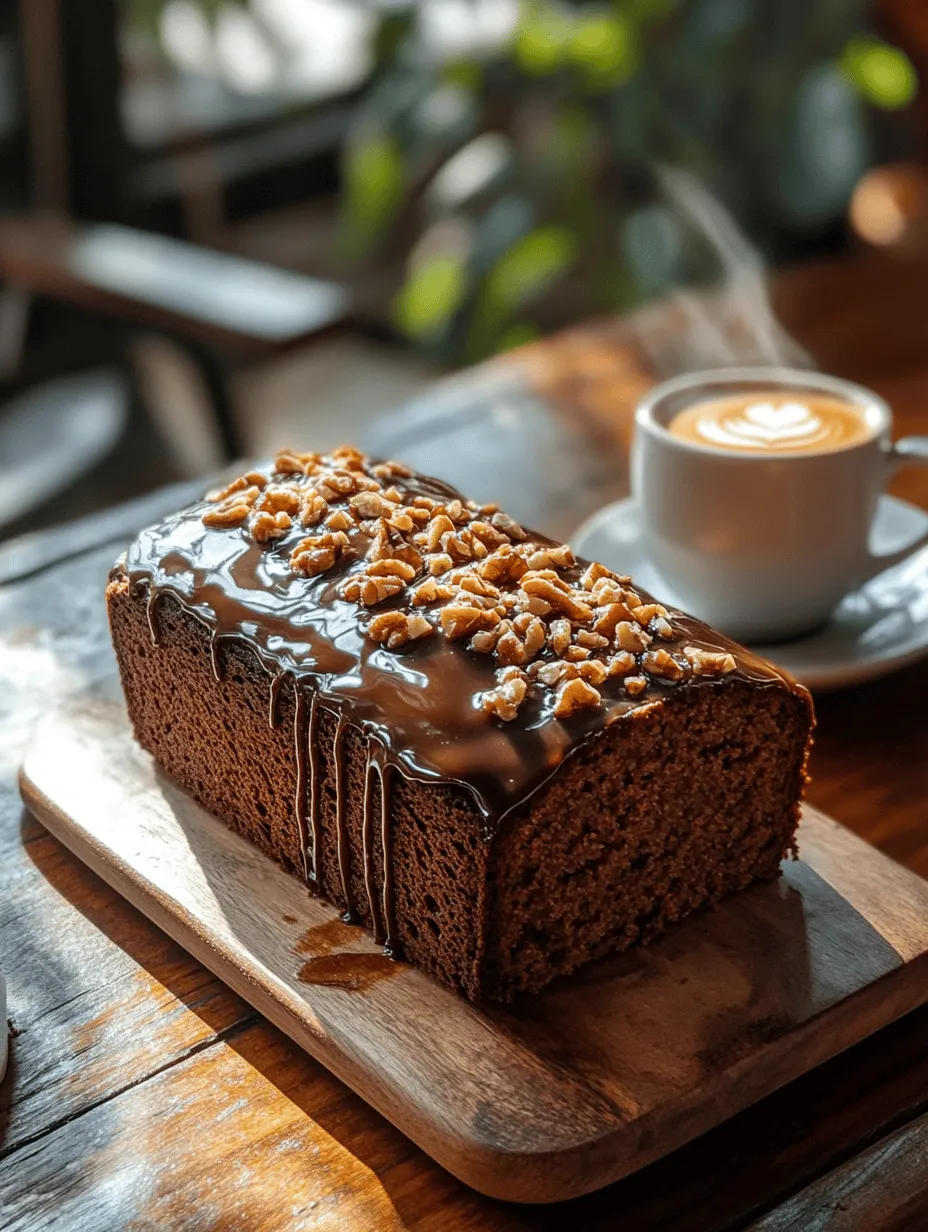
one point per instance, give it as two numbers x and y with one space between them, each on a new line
763 544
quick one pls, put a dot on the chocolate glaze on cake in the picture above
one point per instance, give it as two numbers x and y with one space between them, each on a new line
420 707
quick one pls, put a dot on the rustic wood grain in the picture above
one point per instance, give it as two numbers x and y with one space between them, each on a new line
564 1092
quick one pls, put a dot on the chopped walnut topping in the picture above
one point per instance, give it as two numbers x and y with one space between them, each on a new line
562 600
396 629
552 558
630 636
230 513
251 480
622 664
319 553
521 645
503 522
547 624
269 526
340 520
504 701
462 620
276 500
662 663
709 662
391 567
313 508
593 671
574 695
592 641
370 591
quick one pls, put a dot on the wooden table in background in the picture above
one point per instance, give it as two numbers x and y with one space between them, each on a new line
144 1094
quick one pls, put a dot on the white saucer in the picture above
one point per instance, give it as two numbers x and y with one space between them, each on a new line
876 629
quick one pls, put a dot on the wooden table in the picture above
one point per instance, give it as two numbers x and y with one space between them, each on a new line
144 1094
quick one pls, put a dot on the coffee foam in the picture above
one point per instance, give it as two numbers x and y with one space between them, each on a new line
773 422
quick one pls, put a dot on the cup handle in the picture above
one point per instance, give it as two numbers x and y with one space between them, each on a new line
910 449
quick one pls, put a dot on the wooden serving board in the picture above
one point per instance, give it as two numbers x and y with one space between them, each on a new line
564 1092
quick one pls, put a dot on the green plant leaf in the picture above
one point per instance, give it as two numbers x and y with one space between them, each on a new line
430 297
604 49
530 266
883 75
374 180
541 39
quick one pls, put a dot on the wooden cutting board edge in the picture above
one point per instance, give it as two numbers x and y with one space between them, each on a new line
537 1176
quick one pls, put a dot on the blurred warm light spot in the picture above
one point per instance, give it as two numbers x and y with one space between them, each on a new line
888 203
186 37
471 169
246 59
884 75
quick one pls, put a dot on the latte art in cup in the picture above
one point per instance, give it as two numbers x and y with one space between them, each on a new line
759 422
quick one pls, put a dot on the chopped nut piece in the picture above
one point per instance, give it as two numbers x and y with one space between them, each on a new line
553 673
456 511
277 499
630 636
663 629
349 456
504 701
371 590
314 508
593 573
268 526
593 671
485 641
574 695
391 470
319 553
662 663
595 641
440 524
430 591
391 567
371 505
573 654
709 662
477 585
251 480
488 535
396 629
635 685
544 588
289 463
550 558
393 494
440 563
340 519
504 565
647 612
559 635
622 664
520 646
608 617
605 592
463 620
389 627
231 513
402 522
503 522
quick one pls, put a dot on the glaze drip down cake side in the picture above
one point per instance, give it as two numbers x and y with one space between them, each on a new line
503 761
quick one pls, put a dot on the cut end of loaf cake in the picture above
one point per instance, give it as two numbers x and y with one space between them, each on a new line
504 761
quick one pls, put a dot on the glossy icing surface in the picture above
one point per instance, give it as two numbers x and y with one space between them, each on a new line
420 703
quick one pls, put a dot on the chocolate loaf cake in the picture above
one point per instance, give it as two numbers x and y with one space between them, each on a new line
504 761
